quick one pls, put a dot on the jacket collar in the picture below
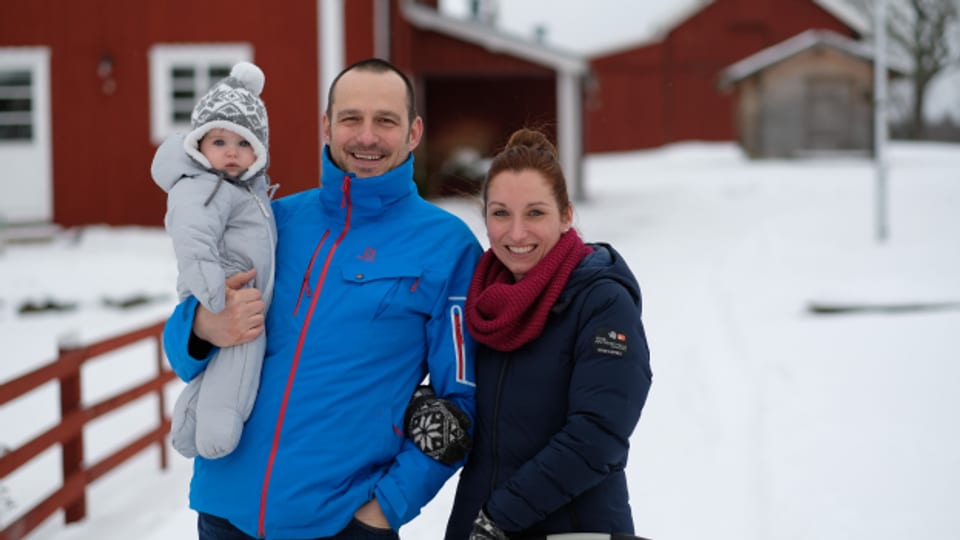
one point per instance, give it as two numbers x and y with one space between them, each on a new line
367 195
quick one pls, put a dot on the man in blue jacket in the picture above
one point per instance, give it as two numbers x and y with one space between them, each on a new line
368 300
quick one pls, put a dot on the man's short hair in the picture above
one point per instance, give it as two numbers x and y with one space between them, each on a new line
376 65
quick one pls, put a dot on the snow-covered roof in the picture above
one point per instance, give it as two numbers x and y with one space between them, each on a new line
651 25
791 47
495 40
601 27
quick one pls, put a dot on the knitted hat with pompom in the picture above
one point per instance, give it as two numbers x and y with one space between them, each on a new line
233 103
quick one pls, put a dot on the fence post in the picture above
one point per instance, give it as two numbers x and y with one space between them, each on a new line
72 449
161 401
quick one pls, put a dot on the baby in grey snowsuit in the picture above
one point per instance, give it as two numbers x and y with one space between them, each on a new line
221 223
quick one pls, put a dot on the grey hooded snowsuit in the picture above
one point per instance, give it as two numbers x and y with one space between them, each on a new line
219 227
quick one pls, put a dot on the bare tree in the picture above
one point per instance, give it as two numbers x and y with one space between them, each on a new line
927 34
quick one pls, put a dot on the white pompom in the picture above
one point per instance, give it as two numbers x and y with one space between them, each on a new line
250 75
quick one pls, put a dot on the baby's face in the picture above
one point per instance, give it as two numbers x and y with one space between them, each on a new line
226 151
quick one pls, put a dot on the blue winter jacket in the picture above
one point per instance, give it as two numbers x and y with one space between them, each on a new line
554 417
369 292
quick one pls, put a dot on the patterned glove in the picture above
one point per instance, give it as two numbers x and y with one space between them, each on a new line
485 529
437 426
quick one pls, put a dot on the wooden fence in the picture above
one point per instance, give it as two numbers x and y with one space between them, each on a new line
71 496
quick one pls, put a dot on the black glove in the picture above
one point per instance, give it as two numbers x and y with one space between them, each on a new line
437 426
485 529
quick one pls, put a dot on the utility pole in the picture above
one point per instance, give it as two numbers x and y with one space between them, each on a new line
880 116
330 55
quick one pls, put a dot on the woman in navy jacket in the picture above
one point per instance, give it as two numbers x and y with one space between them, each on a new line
562 365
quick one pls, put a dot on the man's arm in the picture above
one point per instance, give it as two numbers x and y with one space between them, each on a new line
415 478
193 333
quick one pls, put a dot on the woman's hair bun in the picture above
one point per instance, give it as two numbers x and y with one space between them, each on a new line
533 139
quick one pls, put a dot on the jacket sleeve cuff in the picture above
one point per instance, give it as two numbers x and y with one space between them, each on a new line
188 355
412 482
198 349
387 493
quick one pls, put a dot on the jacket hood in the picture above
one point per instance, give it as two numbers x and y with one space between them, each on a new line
191 145
604 263
171 163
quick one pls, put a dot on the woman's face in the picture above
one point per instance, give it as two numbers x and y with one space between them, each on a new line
523 219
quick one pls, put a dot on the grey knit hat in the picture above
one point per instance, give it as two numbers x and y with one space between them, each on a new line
233 103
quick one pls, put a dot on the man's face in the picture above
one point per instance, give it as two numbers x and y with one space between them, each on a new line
368 130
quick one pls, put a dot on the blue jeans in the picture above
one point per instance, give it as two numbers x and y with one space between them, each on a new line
211 527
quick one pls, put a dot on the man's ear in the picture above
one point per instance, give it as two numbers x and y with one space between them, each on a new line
326 129
416 133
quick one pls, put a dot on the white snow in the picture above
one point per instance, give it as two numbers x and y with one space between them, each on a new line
765 421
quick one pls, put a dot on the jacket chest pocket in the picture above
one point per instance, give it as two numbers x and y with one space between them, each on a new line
390 292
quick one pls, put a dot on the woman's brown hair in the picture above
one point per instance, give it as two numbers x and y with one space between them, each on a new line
530 149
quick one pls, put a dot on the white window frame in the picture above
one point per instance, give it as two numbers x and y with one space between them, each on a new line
22 92
200 56
36 61
26 180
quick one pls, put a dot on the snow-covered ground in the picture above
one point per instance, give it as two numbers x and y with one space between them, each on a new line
765 421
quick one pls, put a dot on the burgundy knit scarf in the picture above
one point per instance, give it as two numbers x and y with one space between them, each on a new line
504 314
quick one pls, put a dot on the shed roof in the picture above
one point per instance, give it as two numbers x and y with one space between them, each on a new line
791 47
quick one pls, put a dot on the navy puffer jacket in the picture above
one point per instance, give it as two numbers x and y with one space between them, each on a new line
554 417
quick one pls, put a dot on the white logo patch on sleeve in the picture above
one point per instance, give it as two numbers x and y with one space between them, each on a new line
611 342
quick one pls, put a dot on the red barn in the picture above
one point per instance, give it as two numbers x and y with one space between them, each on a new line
667 91
88 89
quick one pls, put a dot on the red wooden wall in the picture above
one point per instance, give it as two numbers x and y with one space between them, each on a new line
101 142
666 92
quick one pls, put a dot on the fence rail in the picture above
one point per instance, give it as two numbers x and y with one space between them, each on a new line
71 496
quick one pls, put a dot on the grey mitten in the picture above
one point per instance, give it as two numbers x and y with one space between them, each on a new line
437 426
485 529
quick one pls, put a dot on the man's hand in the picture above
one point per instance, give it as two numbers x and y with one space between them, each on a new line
437 426
241 319
371 514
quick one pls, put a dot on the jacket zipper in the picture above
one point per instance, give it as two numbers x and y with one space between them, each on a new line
264 209
345 203
305 286
493 428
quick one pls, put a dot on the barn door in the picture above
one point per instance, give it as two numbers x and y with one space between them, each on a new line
829 118
25 178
